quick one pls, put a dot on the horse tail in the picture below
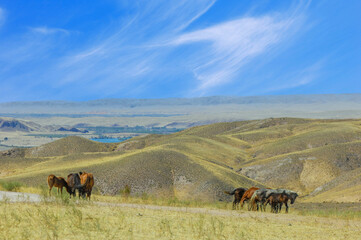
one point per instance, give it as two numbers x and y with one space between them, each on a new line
230 193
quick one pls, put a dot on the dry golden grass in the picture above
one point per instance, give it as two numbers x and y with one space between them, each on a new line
68 220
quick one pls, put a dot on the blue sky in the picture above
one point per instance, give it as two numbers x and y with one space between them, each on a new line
83 50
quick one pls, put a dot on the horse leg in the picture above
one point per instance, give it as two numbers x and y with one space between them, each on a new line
58 190
249 204
236 203
286 207
61 190
264 206
274 207
50 190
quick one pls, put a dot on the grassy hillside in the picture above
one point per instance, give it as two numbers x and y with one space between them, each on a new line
156 170
300 154
69 145
314 157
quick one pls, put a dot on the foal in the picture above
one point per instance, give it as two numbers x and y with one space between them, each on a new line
58 182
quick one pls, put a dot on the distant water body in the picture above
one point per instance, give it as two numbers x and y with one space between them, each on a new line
109 140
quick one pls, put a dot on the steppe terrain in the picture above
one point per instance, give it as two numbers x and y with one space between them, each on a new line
320 159
184 157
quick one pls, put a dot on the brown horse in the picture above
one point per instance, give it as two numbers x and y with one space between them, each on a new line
57 182
238 193
87 180
276 200
248 195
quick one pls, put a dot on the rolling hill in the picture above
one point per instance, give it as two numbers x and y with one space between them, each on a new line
317 158
156 170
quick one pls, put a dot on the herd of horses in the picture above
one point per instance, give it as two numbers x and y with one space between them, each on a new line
258 198
82 181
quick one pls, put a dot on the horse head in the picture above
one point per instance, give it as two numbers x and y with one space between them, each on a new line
293 197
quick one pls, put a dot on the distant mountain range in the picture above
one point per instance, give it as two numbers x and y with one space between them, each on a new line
10 125
182 112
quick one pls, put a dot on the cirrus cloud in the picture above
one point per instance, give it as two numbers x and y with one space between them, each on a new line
230 45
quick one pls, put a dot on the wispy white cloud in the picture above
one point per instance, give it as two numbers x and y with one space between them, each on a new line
145 49
226 47
48 31
136 48
231 45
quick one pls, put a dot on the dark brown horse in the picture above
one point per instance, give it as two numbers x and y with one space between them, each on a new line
57 182
238 194
248 195
87 180
259 198
73 181
276 200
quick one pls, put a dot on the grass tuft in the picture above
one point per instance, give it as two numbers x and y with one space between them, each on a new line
11 185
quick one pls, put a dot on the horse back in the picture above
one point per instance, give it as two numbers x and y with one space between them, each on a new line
249 193
73 180
88 179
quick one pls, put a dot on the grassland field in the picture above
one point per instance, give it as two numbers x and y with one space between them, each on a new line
65 218
320 159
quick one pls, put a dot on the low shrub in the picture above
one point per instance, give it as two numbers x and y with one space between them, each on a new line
11 186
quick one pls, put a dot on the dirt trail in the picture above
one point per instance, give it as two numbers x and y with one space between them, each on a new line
261 216
19 197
